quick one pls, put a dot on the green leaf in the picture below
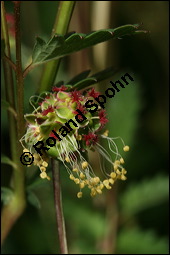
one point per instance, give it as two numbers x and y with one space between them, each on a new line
104 74
95 78
7 106
8 161
79 83
84 83
33 200
59 46
142 195
6 195
136 241
79 77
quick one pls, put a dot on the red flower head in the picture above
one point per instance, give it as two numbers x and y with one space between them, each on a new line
76 96
102 116
93 93
53 135
90 139
45 112
57 89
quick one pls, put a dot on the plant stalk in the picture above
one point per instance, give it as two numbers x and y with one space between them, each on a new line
61 24
58 207
14 209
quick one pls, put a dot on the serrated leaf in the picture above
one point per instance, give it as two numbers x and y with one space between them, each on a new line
33 200
136 241
8 161
6 195
148 193
58 46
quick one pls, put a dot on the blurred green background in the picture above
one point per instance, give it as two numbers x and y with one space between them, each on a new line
133 217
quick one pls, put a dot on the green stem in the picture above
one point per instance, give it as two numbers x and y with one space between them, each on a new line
10 62
5 37
12 211
58 207
61 24
19 76
27 69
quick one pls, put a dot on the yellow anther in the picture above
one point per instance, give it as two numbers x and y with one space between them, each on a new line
108 187
117 162
86 182
122 161
26 150
106 182
113 175
40 161
96 180
75 170
93 192
123 177
126 148
84 165
106 133
42 168
48 178
36 156
79 194
45 164
118 171
101 186
99 191
72 177
43 175
92 181
124 171
115 167
67 159
76 180
82 184
111 181
82 176
79 137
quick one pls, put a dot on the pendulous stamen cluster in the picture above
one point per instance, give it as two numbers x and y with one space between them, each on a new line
66 125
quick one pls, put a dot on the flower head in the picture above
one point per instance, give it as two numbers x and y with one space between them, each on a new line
68 130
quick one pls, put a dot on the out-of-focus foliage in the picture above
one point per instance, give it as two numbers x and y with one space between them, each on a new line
145 194
138 114
131 240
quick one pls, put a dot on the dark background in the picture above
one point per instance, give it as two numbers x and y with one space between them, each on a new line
133 217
